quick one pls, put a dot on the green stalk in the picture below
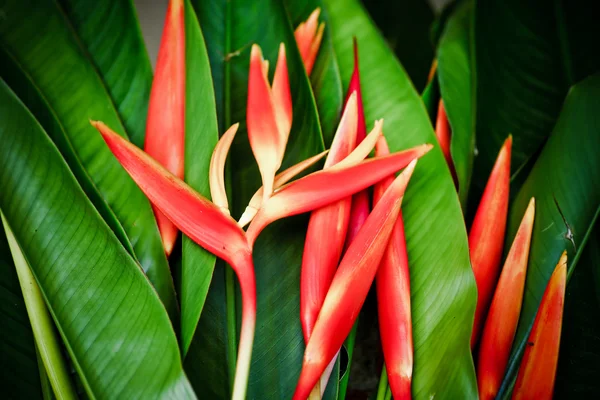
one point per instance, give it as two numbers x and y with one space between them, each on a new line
349 345
383 384
47 393
388 393
47 343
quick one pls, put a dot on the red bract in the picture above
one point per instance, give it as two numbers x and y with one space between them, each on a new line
393 300
350 285
486 237
538 368
165 126
443 133
308 38
316 190
269 115
326 231
360 201
204 223
503 317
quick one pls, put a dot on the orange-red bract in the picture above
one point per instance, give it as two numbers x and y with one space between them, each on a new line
326 231
503 316
204 223
443 133
308 38
538 368
269 115
165 125
350 285
393 300
360 201
486 237
316 190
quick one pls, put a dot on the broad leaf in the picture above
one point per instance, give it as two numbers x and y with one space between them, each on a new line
528 54
578 367
111 34
37 35
20 378
456 80
325 76
201 135
566 186
230 28
114 326
443 299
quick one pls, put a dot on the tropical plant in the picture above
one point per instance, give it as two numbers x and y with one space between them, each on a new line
214 228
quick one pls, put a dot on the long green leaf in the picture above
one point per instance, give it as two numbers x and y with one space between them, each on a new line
527 57
325 76
566 185
113 324
46 339
230 28
40 38
456 80
111 34
442 284
578 367
20 378
25 89
201 135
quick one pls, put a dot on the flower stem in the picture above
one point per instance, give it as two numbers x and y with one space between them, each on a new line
383 384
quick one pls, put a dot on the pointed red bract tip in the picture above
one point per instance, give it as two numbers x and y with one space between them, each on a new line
354 87
216 176
538 368
309 35
503 317
443 133
350 285
165 125
269 115
393 299
326 231
486 237
315 190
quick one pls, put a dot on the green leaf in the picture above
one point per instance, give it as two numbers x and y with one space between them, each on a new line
201 135
578 367
44 335
406 26
113 324
565 184
443 299
325 76
20 378
455 73
112 37
37 105
526 61
230 28
37 35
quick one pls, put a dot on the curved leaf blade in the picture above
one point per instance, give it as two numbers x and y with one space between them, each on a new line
111 34
443 299
129 348
201 135
566 186
21 378
456 76
35 32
